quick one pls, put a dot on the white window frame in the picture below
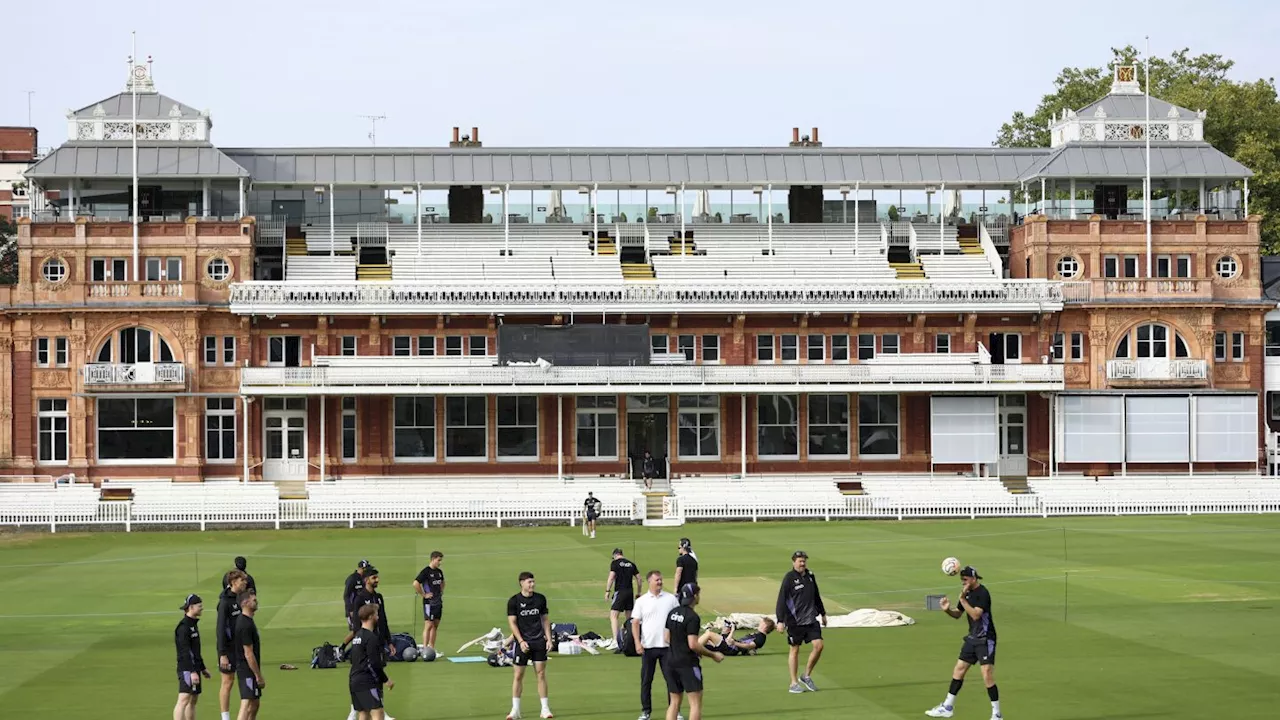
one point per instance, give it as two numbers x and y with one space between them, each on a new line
401 345
468 424
822 401
61 352
711 349
1058 347
483 346
349 427
659 344
867 343
1220 346
1182 266
426 346
225 415
1111 266
694 409
521 423
349 346
896 425
839 347
229 350
430 417
1226 267
1237 347
942 343
50 411
890 344
794 350
210 350
596 410
54 270
1077 346
453 345
42 352
173 452
1129 263
765 347
761 425
821 347
1164 266
687 345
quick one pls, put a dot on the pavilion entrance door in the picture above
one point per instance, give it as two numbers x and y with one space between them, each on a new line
284 439
648 429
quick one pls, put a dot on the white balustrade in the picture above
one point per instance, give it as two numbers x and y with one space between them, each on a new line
1157 369
134 373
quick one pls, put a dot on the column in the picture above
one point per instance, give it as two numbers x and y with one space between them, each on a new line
204 197
559 437
324 448
6 390
241 194
244 437
1072 201
742 425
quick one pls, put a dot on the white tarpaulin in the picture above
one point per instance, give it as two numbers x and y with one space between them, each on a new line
965 429
864 618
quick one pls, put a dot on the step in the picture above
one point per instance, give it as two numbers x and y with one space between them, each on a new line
1015 485
673 522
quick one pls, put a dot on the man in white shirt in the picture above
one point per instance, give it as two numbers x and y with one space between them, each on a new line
648 623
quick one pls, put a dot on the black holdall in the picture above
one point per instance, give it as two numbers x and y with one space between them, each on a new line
324 657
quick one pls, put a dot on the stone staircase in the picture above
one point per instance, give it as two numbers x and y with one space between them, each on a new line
1015 485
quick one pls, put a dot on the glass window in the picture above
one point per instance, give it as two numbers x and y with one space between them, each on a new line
54 270
154 269
1226 267
877 425
228 350
840 348
60 352
817 348
658 345
517 426
98 270
942 343
415 427
210 350
1068 267
1164 266
1111 266
1131 266
710 348
42 352
829 425
777 426
1237 346
1057 347
1153 341
684 345
1220 346
698 421
1184 266
597 427
465 427
218 269
220 428
400 345
764 348
349 432
478 345
453 345
119 269
1077 346
135 428
426 345
349 346
866 346
889 344
790 348
52 428
173 269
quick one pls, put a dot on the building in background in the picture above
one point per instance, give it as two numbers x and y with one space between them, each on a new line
18 149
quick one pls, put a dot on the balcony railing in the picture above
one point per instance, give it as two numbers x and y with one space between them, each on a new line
1157 369
479 296
135 374
903 373
1137 289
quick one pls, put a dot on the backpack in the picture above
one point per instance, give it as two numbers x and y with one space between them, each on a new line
402 642
563 632
627 641
324 657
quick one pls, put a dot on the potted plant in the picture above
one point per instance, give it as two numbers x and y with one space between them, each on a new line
893 213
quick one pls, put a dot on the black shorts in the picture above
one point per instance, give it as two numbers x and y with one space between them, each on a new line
432 611
351 622
185 686
366 700
537 653
978 652
683 680
249 689
592 516
231 665
801 634
623 602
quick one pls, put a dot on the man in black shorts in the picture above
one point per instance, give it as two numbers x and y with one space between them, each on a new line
350 587
799 611
591 511
979 645
368 660
186 638
686 565
530 623
749 644
622 587
248 649
684 668
228 613
429 585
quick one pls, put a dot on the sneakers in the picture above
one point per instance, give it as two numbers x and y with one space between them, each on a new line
353 715
796 689
643 716
941 711
997 716
546 715
513 715
808 683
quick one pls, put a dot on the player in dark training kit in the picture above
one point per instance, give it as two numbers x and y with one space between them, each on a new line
228 613
686 565
591 513
748 644
530 623
429 585
350 587
369 595
186 639
368 660
240 564
622 587
248 649
799 610
684 668
979 645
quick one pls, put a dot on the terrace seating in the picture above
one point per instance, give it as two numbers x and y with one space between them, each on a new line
207 502
740 252
320 269
45 503
964 266
942 495
1157 494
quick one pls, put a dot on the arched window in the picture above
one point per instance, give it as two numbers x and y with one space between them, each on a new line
1152 340
134 345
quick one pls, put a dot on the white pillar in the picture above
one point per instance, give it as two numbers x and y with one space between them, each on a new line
323 448
71 200
244 437
560 437
205 192
331 230
1200 209
770 191
1246 198
742 417
417 202
942 250
506 222
241 197
595 221
857 236
1042 196
681 219
1072 201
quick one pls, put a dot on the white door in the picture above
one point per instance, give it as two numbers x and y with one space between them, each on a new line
1013 435
285 439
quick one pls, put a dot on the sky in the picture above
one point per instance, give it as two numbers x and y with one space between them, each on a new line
557 73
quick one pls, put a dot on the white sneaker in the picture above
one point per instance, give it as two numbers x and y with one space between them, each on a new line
546 714
352 716
997 716
513 715
941 711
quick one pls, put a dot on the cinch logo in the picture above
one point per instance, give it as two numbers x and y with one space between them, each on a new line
355 641
677 617
798 587
530 612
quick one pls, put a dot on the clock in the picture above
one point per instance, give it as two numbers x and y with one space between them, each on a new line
140 72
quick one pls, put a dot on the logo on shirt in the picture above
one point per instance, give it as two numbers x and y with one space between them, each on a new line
530 612
677 617
355 641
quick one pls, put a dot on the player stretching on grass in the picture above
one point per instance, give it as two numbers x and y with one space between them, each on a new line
228 613
429 585
186 638
368 658
979 645
749 644
527 614
799 610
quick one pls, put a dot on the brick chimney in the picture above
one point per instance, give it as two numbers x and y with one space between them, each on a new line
472 140
798 140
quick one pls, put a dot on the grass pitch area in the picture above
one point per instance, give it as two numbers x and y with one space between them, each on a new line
1098 617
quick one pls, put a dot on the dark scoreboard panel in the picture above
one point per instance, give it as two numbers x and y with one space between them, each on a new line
596 345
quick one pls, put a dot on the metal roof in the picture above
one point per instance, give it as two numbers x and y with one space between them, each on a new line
151 106
97 160
1128 160
639 167
1124 106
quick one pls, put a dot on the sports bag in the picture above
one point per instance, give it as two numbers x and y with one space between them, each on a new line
324 657
628 641
402 642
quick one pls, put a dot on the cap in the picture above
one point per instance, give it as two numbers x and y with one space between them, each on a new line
363 564
970 571
684 543
799 554
241 563
192 599
687 591
370 571
617 551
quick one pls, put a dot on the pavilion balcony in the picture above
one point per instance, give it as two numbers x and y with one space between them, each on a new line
921 372
390 298
132 375
1158 369
1138 290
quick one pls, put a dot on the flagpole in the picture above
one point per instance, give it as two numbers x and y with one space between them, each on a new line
1146 189
133 133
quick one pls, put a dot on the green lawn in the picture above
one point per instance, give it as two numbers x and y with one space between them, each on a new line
1160 618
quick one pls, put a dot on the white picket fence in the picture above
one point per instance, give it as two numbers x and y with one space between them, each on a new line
358 503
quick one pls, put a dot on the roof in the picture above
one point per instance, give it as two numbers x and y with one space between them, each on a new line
1128 106
640 167
98 160
1128 160
1271 277
151 106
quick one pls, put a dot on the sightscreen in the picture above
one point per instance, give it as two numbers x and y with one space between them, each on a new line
1091 428
1158 428
1226 428
964 430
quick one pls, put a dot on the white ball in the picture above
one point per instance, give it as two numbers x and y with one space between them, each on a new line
951 566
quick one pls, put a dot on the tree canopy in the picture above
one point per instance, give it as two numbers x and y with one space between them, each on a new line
1243 118
8 252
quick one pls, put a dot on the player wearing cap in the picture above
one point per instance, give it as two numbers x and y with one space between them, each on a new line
248 650
240 564
353 583
591 511
429 585
622 587
368 660
684 676
186 638
366 596
979 644
530 623
686 565
228 613
799 612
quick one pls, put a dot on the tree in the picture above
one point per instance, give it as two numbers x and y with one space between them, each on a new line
1243 118
8 252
